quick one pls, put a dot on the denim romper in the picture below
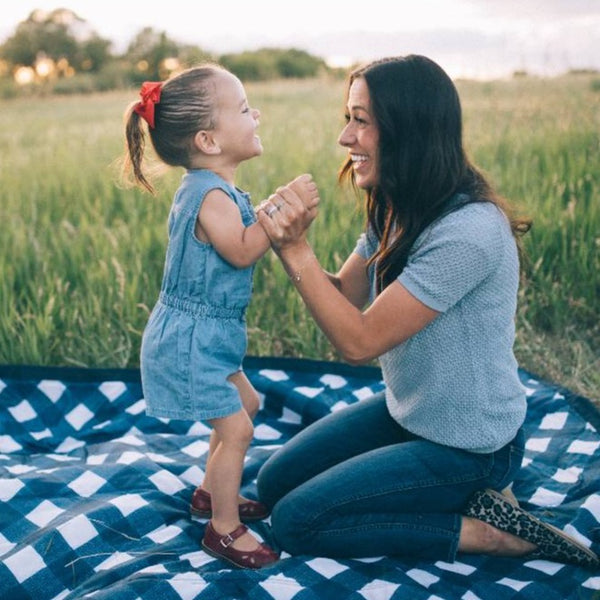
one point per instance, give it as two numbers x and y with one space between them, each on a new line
196 334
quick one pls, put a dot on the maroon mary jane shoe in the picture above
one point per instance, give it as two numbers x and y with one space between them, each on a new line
249 510
220 546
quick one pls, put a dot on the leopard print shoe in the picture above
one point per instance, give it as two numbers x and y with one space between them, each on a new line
553 544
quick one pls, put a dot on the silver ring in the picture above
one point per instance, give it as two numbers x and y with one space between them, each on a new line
271 209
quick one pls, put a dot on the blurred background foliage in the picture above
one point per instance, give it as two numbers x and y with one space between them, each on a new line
58 52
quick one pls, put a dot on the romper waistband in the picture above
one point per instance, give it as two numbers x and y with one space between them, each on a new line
197 309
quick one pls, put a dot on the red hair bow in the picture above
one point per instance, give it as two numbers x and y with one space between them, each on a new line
150 93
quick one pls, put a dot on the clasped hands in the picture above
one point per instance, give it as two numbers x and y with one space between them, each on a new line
287 213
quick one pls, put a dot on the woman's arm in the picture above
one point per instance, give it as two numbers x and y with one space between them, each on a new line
220 223
352 280
358 335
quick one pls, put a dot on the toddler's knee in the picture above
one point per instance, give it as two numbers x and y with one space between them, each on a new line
247 433
236 432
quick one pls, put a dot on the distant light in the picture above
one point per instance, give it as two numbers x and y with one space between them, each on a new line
64 68
44 66
24 75
62 64
171 64
338 61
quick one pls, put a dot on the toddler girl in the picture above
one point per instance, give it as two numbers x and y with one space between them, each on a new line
195 339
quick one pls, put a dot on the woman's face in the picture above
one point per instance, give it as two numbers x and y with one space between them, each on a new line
361 135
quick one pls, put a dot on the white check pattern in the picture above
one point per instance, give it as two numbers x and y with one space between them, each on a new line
94 495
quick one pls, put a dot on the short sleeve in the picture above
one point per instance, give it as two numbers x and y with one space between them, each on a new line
366 244
454 255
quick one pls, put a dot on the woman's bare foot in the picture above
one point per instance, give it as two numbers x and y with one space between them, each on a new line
477 537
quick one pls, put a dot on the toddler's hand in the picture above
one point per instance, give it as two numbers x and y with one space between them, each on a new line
264 205
306 189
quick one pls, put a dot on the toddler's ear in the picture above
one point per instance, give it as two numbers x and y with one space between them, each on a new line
206 143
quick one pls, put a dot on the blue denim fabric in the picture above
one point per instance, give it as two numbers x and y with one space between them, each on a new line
356 484
196 335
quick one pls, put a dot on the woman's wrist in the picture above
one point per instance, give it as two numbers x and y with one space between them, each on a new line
293 251
295 258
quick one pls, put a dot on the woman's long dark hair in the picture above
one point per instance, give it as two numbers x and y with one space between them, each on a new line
422 161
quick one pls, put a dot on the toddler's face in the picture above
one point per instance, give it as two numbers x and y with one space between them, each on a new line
236 121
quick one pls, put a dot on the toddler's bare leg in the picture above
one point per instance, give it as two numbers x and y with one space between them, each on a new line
251 404
224 471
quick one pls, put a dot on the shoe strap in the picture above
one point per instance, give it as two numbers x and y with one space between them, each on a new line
201 493
227 540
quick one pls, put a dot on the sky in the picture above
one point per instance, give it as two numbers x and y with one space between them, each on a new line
468 38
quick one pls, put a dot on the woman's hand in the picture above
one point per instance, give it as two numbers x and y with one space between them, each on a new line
287 214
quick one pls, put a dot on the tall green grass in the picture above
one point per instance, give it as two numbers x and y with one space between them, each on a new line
81 257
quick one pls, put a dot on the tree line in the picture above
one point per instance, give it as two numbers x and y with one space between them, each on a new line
58 52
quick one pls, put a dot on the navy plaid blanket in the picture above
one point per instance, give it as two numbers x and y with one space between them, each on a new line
94 495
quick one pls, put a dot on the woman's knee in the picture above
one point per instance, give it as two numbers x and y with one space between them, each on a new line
269 483
292 533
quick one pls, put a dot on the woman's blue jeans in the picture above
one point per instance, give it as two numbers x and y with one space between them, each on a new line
356 484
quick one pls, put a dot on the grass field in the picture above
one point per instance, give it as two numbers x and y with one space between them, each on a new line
81 258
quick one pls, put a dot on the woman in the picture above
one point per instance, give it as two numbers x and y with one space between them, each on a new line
431 291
